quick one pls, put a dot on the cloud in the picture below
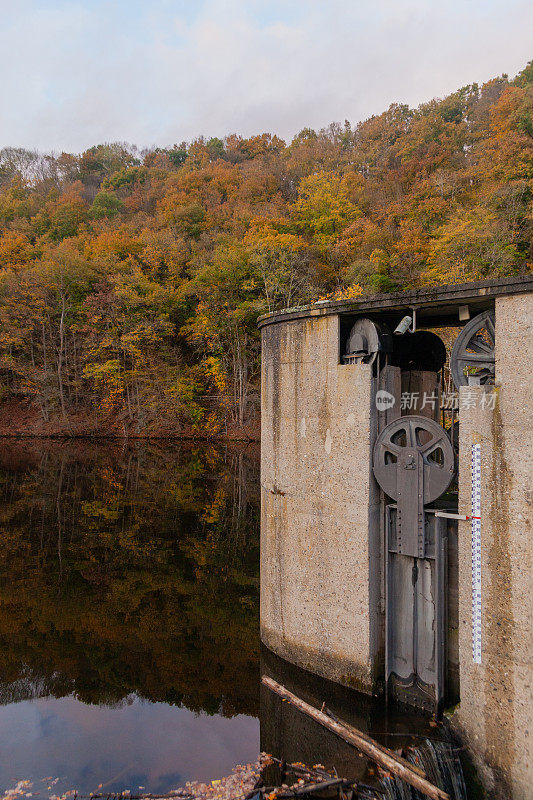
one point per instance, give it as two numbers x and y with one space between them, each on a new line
87 745
75 74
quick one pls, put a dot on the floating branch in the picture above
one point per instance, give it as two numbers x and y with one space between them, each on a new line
378 753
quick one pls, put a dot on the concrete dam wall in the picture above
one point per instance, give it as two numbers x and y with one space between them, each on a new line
369 576
320 608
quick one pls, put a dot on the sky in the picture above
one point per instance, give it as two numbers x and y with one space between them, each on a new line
157 72
154 745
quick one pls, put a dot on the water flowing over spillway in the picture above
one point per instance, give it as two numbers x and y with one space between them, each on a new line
440 762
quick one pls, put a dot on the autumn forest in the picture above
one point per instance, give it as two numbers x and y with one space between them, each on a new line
131 280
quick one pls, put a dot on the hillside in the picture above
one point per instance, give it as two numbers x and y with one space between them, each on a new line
130 281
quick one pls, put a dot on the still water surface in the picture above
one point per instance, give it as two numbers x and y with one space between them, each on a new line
129 637
129 626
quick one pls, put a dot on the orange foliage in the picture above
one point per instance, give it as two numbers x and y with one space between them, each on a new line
130 284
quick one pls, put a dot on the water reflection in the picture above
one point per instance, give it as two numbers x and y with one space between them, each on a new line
129 635
129 583
140 744
289 735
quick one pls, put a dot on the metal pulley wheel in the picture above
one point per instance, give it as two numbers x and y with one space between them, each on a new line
410 443
472 358
414 464
366 340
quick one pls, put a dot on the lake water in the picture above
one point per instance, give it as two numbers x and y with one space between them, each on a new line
129 626
129 629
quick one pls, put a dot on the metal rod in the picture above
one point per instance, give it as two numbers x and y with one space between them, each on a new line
449 515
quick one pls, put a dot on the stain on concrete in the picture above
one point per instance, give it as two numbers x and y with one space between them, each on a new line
321 573
315 570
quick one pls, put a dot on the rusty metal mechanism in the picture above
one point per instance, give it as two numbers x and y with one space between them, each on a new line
366 340
472 358
414 464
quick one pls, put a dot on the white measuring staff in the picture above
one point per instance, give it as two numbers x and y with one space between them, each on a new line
476 552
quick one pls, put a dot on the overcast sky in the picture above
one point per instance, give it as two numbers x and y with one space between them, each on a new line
155 72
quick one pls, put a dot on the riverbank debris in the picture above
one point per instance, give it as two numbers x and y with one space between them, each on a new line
291 780
382 756
311 783
236 786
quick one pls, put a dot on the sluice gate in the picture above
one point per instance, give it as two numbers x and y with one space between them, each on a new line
396 505
414 463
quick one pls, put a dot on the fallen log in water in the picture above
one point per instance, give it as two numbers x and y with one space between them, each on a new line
378 753
373 742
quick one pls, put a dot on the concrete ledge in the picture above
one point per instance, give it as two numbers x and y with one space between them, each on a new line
326 665
437 301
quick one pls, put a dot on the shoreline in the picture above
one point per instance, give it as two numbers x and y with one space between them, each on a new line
145 437
20 419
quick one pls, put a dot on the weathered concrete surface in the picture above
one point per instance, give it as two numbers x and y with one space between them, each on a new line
320 566
495 713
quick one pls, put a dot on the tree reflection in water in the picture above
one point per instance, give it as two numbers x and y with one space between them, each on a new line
129 573
130 569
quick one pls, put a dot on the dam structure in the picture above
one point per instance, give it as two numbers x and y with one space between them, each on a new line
396 504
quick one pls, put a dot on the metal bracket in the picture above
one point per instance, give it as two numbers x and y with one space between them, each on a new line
449 515
414 464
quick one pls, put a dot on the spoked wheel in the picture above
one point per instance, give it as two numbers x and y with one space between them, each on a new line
404 441
473 351
366 340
